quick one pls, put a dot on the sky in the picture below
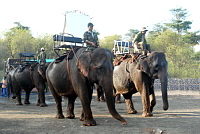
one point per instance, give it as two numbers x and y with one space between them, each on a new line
108 16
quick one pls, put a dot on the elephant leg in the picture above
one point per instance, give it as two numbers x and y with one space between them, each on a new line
41 96
145 101
85 97
58 100
152 100
19 100
100 93
118 98
70 108
82 118
26 101
129 103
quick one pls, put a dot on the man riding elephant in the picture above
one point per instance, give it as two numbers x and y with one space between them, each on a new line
90 38
42 57
42 60
140 43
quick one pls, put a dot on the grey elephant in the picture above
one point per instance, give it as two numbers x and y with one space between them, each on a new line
76 76
27 78
138 76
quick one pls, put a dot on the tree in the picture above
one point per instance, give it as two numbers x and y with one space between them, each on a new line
179 22
46 42
18 40
108 41
163 41
191 38
132 33
20 26
157 30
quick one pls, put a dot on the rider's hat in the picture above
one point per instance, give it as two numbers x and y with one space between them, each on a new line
90 24
144 29
42 49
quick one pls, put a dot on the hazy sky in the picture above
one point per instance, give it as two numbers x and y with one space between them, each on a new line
108 16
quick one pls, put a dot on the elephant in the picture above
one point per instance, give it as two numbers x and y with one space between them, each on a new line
100 93
101 96
9 77
27 77
138 76
76 76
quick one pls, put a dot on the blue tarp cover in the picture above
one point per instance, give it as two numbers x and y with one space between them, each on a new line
26 54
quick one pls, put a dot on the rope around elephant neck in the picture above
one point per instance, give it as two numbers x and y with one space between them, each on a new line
74 52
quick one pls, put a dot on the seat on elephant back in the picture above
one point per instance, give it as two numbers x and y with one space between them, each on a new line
26 59
128 57
68 55
66 42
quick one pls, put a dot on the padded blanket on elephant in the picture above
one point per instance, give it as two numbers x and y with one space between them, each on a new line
69 54
128 57
117 61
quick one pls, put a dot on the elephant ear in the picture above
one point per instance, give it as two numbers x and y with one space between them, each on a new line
84 63
143 66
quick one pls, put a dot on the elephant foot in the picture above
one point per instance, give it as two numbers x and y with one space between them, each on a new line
132 112
43 105
27 102
147 115
14 97
59 116
19 103
71 116
90 123
81 119
118 101
102 100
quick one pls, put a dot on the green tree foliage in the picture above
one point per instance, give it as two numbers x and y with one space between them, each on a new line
162 41
46 42
179 22
131 34
157 30
19 39
20 26
179 54
191 37
108 41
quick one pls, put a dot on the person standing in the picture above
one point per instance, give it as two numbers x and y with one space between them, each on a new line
4 86
90 37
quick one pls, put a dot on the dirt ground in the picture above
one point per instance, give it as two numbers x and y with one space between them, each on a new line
183 117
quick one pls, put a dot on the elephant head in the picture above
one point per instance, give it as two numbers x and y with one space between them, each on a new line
97 67
155 66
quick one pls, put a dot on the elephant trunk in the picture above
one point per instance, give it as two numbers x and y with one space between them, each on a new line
164 82
108 90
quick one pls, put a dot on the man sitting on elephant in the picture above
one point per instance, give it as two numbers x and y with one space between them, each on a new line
140 43
42 60
91 38
42 57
